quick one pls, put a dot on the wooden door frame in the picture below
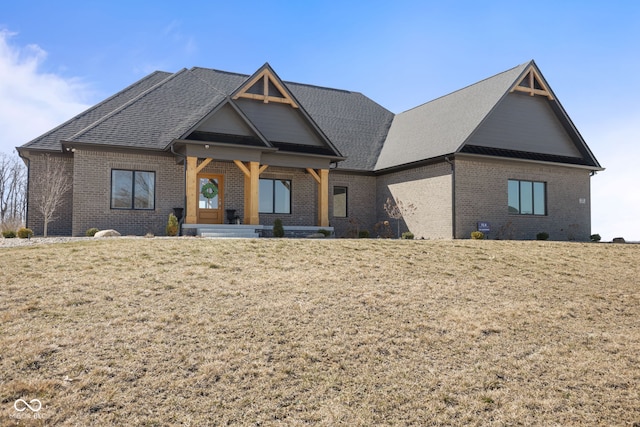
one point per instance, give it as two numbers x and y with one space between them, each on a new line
220 179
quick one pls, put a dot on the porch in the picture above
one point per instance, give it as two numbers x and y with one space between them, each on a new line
246 231
242 199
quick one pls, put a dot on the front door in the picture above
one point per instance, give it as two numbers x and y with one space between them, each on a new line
210 199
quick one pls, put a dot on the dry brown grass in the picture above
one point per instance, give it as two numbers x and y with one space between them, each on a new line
337 332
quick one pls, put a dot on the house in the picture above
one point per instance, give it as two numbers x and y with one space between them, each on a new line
219 147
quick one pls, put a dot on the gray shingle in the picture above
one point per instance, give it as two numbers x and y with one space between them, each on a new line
50 141
441 126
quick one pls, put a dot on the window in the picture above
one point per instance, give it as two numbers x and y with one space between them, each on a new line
340 202
132 189
527 197
275 196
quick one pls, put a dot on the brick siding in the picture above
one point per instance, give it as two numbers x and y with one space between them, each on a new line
425 194
481 195
61 225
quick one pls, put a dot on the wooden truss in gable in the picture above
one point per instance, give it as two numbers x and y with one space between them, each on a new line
533 84
267 88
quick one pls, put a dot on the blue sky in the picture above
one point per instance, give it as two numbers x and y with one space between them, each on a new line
58 58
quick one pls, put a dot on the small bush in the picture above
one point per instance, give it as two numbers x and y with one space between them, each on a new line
407 235
477 235
542 236
172 225
25 233
326 233
9 234
363 234
278 229
91 232
595 237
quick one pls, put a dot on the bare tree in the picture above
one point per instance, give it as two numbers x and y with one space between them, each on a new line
395 210
12 191
50 185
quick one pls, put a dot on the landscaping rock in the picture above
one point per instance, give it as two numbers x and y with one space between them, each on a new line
619 240
107 233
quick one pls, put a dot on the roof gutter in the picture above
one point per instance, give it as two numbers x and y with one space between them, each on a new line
453 196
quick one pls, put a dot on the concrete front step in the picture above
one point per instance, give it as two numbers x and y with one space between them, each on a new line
230 235
228 231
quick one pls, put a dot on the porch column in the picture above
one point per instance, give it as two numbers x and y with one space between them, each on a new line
192 188
254 177
251 190
322 178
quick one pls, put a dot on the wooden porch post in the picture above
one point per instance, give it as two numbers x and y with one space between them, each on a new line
323 198
251 190
191 184
322 178
254 170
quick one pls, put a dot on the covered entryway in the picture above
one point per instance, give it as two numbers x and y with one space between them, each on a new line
210 199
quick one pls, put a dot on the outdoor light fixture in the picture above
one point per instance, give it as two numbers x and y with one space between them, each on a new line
206 146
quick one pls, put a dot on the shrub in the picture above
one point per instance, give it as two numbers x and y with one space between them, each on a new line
595 237
25 233
407 235
9 234
543 235
326 233
91 232
278 229
172 225
477 235
363 234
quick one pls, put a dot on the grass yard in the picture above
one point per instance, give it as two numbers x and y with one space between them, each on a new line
198 332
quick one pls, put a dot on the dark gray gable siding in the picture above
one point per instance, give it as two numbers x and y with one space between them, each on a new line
50 141
279 122
525 123
226 121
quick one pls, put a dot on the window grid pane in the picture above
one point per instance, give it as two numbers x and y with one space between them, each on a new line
132 189
121 189
340 202
144 190
526 197
265 204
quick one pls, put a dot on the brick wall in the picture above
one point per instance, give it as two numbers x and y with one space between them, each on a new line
361 206
481 195
61 226
92 192
425 193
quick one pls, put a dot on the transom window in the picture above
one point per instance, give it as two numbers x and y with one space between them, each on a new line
527 197
340 202
275 196
133 189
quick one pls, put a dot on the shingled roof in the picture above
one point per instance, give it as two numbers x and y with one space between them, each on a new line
160 108
444 126
153 112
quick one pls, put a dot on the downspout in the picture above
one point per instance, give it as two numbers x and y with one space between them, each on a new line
26 211
184 203
453 196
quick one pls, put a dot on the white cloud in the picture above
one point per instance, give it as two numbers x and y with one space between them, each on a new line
616 191
32 101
